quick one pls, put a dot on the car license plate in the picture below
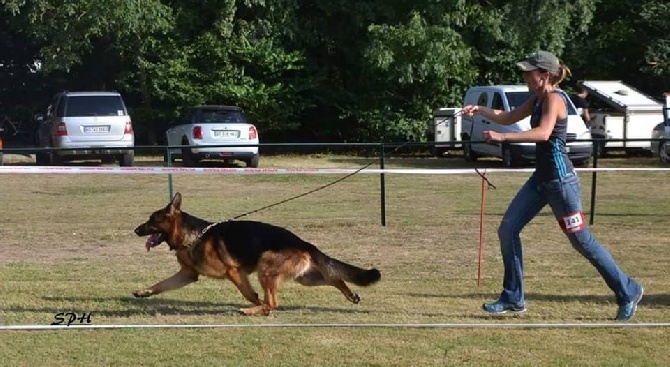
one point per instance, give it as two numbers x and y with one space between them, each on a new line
226 133
96 129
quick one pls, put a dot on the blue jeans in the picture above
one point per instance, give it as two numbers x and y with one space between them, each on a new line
564 197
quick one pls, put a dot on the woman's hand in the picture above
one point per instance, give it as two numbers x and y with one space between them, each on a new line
493 136
471 110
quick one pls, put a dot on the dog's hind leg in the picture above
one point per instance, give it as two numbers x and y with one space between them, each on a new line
270 283
241 281
181 278
315 278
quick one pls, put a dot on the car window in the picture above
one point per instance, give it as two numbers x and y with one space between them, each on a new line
186 117
94 106
60 106
483 99
516 99
221 117
497 102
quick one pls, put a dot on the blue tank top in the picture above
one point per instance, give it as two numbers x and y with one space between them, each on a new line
551 158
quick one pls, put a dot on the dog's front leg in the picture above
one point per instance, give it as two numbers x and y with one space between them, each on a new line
181 278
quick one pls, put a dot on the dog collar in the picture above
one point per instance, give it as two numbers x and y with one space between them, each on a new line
190 246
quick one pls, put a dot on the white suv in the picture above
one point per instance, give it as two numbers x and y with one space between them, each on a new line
208 129
90 125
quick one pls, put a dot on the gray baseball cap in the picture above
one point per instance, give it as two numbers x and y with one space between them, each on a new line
540 60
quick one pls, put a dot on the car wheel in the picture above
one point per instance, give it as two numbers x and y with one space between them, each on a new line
468 153
127 160
600 148
52 157
582 163
439 152
165 157
47 159
662 152
253 162
107 159
187 157
509 160
42 159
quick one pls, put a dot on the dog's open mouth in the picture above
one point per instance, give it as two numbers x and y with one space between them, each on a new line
154 240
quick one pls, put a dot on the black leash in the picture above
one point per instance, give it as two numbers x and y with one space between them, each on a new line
483 176
318 188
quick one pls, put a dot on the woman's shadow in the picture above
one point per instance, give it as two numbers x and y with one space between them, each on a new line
649 300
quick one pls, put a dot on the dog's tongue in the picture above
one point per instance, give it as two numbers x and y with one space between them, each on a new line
151 241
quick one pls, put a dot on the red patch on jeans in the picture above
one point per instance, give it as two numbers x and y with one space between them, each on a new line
573 222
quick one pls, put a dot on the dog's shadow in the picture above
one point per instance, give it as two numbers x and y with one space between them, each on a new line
156 306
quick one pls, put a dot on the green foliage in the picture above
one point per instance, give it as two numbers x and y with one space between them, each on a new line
229 60
415 64
347 70
70 29
656 18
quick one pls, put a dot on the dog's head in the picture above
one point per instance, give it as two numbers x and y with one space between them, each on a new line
160 223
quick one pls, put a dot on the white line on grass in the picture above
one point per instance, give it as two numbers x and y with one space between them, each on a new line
408 326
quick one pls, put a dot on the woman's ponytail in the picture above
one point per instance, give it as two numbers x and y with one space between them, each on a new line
563 72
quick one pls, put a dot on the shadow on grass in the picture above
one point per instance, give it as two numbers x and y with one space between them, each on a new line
166 307
649 300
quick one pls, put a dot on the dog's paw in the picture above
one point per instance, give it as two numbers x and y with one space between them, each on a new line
262 310
355 298
143 293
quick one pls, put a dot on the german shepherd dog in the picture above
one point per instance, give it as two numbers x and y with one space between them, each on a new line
234 249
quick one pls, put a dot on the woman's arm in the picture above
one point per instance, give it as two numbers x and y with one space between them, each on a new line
552 109
501 117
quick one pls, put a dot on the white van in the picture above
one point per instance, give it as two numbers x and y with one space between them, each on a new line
507 98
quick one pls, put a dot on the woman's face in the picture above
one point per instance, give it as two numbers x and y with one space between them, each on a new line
536 80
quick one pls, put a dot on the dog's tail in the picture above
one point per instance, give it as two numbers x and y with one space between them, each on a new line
332 268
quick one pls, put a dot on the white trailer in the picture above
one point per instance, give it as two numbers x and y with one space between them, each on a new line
633 115
445 128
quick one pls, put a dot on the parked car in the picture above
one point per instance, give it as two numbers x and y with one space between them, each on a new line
507 98
90 125
207 128
661 148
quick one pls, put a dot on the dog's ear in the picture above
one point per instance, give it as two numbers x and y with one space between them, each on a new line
175 204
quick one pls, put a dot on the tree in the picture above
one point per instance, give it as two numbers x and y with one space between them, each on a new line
415 65
655 25
228 52
611 48
20 82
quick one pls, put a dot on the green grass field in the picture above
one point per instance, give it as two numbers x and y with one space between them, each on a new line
68 246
